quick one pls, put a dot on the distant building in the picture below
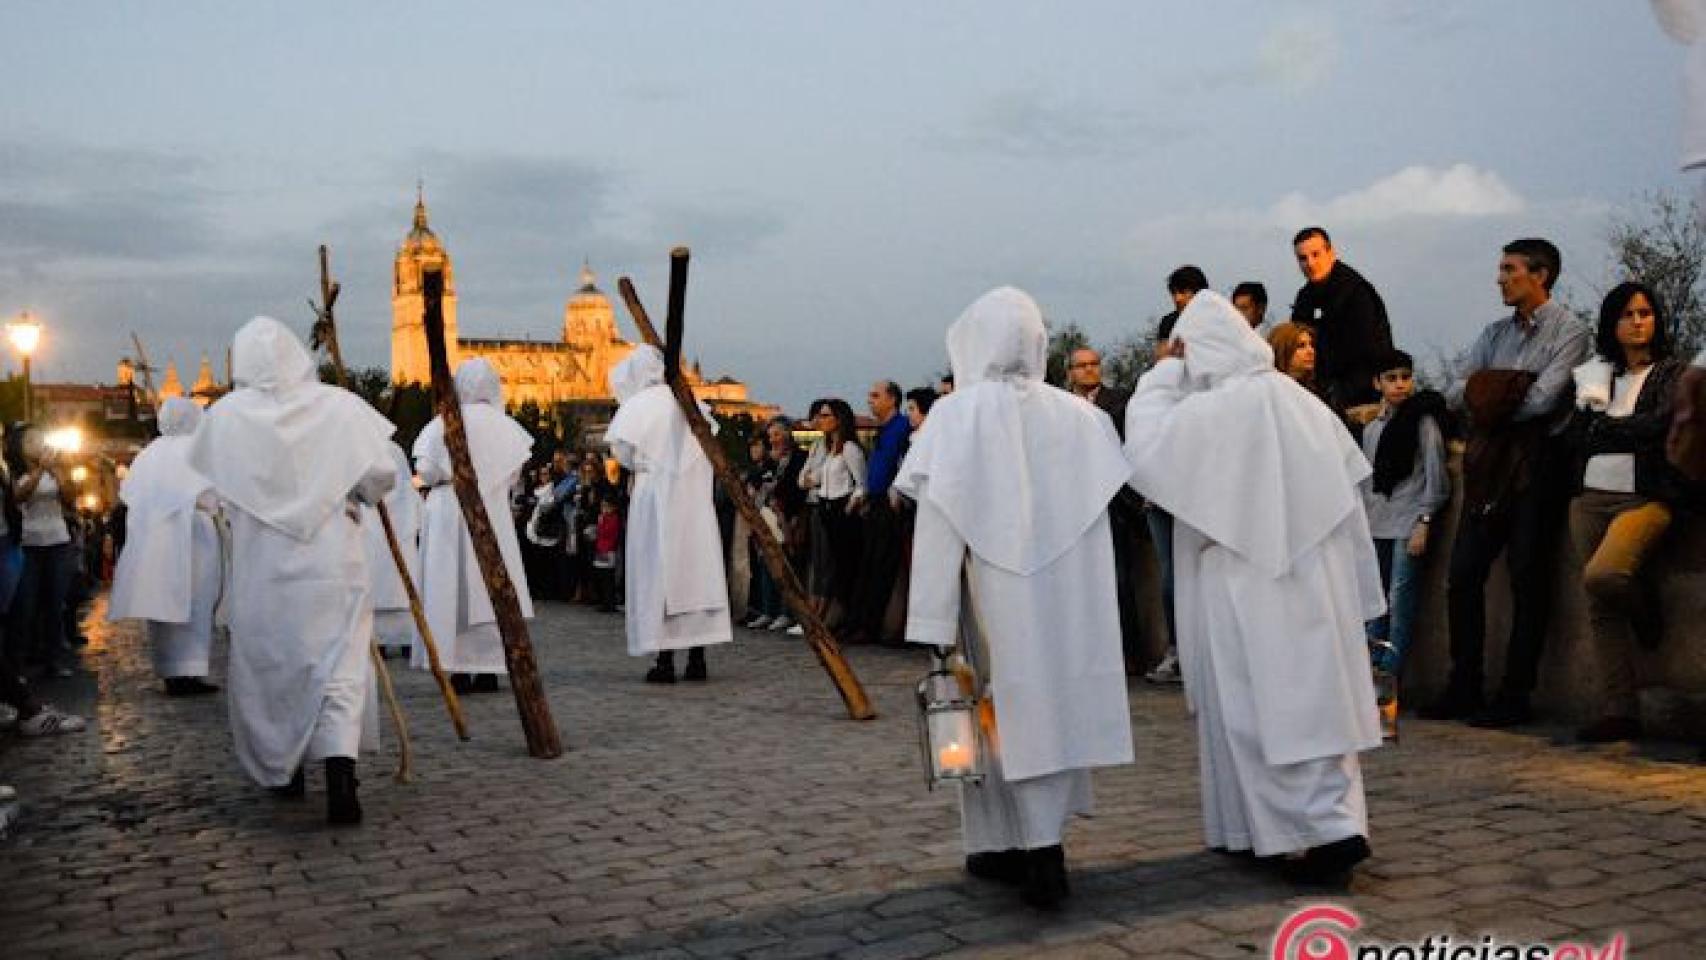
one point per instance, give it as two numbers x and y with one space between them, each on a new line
575 369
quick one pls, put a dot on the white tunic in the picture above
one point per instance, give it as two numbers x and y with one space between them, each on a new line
1271 604
677 593
393 622
301 682
458 607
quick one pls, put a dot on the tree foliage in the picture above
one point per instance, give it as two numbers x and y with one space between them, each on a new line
1663 244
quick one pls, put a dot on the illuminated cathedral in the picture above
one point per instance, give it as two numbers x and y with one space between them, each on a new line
547 372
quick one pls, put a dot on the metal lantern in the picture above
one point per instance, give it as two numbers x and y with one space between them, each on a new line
948 730
1385 687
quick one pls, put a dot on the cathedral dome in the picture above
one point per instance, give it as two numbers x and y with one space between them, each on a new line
589 315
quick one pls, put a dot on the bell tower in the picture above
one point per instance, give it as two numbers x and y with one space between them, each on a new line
420 249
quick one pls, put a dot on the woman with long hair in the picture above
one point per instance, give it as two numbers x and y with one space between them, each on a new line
1627 495
45 497
1294 353
835 472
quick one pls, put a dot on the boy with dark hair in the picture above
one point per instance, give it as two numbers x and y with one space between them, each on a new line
1410 485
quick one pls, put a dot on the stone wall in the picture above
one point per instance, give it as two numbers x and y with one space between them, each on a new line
1673 699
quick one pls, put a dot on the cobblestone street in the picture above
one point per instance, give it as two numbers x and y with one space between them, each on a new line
748 817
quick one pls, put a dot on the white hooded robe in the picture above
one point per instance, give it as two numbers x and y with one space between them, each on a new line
677 595
171 573
1012 551
1275 575
458 608
290 457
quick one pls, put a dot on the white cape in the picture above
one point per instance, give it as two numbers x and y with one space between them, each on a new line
677 592
160 573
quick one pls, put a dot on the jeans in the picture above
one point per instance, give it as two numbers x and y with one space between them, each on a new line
1401 577
766 593
1161 533
37 621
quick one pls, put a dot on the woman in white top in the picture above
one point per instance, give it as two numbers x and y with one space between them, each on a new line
45 497
834 472
1628 492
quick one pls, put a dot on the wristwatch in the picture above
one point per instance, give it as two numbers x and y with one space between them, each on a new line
1425 519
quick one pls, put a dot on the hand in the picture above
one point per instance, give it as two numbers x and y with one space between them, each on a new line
1172 348
856 503
1418 540
1363 414
895 499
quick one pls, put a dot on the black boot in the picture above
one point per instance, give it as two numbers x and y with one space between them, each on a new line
462 683
1045 878
1002 866
188 687
1329 863
664 670
296 789
485 683
695 665
342 807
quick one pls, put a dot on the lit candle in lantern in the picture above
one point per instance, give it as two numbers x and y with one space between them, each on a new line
954 758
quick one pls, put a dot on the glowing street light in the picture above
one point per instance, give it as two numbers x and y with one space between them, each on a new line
25 334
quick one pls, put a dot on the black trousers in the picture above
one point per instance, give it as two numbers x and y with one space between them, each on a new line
879 563
1123 526
1527 534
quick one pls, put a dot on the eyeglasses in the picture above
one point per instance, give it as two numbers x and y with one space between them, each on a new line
1084 365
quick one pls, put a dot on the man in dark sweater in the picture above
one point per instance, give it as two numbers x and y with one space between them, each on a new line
1349 320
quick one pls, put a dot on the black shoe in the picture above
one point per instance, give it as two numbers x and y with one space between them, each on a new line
462 683
1329 863
1002 866
485 683
661 673
188 687
1505 711
1045 878
342 807
1456 703
296 789
695 665
1610 730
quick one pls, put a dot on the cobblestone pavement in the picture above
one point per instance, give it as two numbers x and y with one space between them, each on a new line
748 817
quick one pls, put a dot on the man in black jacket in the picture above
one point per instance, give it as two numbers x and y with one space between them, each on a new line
1349 320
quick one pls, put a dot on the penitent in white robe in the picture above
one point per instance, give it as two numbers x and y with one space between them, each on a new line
393 622
290 457
171 573
1012 555
676 591
1274 576
458 607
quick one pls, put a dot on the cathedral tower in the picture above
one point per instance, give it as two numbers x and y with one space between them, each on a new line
409 363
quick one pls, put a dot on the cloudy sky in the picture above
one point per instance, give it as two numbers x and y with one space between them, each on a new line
848 175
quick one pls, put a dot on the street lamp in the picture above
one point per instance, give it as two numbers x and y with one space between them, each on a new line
25 334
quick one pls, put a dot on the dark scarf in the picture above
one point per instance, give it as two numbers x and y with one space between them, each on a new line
1395 456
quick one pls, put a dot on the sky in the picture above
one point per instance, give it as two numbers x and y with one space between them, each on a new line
849 176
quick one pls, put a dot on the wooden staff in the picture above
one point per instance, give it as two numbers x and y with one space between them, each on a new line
536 723
817 633
326 331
